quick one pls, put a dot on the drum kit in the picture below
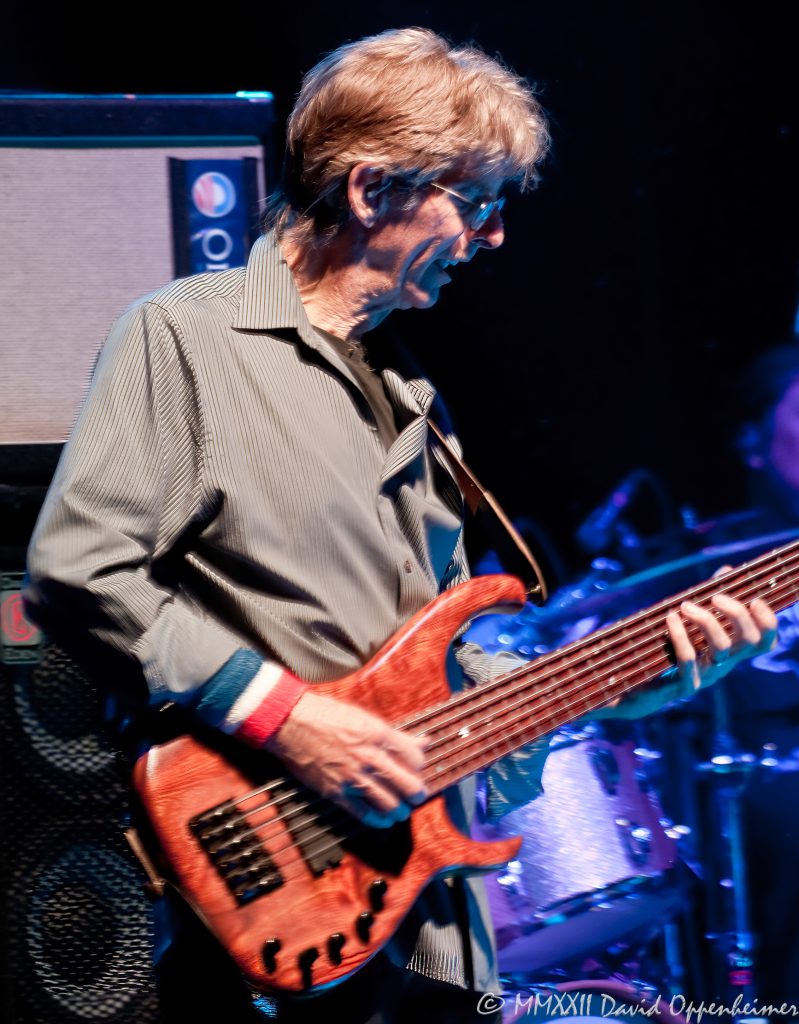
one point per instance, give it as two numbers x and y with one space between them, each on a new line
608 898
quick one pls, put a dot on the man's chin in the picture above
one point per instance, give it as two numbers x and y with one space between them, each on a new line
420 298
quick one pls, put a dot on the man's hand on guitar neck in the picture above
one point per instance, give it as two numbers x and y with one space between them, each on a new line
733 633
753 628
352 757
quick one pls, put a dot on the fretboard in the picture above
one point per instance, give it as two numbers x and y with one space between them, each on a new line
476 727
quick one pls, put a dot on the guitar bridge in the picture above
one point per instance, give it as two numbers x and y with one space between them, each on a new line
241 860
231 841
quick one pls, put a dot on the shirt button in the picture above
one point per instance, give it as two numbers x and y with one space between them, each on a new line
407 565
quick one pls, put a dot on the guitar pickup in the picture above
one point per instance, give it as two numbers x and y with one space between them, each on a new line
243 864
311 822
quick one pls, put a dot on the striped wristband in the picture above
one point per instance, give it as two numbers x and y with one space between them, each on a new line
265 704
249 697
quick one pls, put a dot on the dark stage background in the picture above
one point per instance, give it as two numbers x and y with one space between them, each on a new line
657 257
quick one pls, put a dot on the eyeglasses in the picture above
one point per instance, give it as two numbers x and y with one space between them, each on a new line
482 211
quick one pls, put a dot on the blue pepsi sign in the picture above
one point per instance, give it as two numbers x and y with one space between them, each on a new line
213 204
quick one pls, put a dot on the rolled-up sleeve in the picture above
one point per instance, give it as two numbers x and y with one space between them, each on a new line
515 779
128 485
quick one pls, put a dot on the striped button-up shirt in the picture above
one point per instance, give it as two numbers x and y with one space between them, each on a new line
226 487
225 482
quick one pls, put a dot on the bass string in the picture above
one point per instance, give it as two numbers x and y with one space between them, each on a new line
586 648
476 749
533 727
484 694
644 672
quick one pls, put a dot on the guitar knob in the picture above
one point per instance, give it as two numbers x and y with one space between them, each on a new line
334 947
305 961
363 925
269 953
377 890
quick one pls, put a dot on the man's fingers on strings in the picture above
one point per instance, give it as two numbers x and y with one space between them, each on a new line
395 778
744 627
766 622
684 653
374 805
719 643
410 749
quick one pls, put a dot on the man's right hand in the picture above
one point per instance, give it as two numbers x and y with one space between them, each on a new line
352 757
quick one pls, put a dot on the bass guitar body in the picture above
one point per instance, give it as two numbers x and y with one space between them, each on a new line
299 893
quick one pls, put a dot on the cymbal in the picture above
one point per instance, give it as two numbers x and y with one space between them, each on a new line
733 553
615 600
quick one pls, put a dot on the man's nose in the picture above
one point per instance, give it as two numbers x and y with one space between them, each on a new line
491 234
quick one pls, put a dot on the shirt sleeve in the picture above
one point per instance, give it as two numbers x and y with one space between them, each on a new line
515 779
105 562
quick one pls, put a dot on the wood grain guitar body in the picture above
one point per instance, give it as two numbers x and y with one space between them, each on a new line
302 895
299 893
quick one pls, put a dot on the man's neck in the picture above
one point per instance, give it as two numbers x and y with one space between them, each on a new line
333 289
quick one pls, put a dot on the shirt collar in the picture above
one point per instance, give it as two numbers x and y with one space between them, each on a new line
415 396
270 301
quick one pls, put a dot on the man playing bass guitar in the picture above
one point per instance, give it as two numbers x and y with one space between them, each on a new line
246 509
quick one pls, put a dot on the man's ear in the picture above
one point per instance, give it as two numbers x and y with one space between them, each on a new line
366 188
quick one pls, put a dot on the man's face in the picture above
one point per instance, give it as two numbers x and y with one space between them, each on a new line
784 451
413 251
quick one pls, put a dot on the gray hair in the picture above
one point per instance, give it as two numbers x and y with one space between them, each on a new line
415 106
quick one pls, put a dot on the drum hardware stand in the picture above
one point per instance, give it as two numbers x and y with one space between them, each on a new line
673 955
649 777
733 769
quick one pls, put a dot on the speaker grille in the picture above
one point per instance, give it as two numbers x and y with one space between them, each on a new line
80 926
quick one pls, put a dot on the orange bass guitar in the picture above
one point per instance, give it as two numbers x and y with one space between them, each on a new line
302 895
